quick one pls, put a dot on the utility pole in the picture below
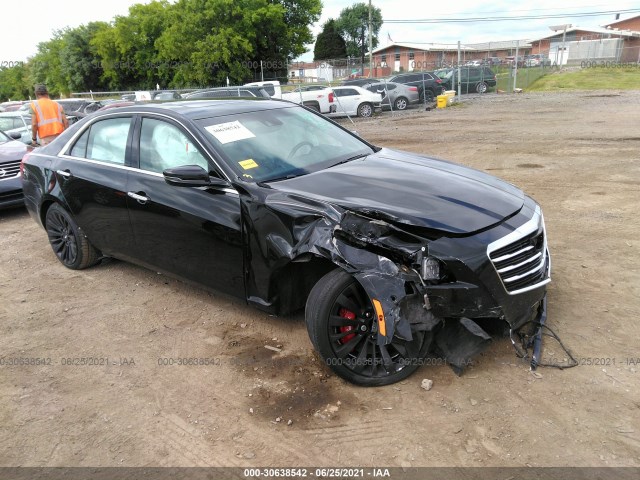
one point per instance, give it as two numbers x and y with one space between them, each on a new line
459 81
370 42
515 64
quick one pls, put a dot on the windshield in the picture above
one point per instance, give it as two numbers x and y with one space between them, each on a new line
281 143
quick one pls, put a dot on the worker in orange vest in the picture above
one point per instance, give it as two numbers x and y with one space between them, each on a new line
47 117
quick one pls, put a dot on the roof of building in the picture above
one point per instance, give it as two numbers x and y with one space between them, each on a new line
598 30
620 21
453 47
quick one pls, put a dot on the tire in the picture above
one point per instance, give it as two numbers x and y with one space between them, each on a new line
481 87
365 110
68 241
401 103
429 96
346 340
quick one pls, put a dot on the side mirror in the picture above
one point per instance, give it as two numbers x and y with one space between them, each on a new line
15 135
192 176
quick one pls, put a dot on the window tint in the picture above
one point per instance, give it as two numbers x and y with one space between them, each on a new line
105 140
163 145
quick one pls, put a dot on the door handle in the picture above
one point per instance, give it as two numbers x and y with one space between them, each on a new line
64 173
139 197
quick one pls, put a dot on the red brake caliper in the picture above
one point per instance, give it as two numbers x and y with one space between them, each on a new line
349 315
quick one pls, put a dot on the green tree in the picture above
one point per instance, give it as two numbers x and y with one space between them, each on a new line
79 61
210 40
329 43
353 24
46 65
15 82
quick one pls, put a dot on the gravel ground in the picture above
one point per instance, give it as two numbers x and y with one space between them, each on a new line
576 153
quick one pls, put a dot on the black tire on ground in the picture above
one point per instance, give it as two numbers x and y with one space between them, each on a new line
481 87
401 103
365 110
429 96
342 326
68 241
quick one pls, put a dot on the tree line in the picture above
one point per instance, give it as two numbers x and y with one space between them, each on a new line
186 44
183 44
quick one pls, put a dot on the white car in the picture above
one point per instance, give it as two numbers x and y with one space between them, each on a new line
353 100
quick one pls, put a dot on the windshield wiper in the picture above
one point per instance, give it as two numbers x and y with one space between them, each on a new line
355 157
263 183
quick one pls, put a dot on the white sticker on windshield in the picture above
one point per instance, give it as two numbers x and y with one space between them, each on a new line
229 132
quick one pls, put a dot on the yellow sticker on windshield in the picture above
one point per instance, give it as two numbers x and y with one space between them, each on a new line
248 164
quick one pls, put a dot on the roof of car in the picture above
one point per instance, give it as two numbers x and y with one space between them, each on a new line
196 109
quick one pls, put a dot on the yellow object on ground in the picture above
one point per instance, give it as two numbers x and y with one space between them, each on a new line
442 101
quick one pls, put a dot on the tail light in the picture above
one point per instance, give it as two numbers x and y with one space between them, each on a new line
438 80
25 157
331 97
413 89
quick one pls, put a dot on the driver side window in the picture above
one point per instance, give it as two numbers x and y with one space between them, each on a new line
163 145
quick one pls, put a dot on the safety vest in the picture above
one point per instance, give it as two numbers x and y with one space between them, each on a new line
49 117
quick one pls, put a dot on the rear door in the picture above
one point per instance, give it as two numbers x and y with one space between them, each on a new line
194 233
92 177
347 100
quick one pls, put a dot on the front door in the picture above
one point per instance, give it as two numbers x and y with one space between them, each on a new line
192 232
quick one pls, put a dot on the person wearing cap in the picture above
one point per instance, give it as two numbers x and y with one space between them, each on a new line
47 117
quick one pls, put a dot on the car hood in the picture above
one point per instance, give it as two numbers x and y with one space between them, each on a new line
413 190
12 151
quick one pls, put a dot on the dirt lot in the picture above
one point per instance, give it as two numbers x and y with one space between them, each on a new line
577 154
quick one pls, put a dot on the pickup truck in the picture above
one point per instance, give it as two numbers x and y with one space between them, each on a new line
317 97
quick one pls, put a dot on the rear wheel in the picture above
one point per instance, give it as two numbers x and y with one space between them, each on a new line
481 87
343 328
365 110
428 96
68 241
401 103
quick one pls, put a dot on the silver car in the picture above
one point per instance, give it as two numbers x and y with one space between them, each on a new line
395 95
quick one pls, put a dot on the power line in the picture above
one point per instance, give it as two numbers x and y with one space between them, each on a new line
514 18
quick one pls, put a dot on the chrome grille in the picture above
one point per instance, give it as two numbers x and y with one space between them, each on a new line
9 169
521 259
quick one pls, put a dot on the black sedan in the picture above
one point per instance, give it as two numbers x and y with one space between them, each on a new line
393 254
11 152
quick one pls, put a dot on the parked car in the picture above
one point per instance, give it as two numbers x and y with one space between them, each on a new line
20 122
512 61
361 82
166 95
116 104
395 95
275 204
11 106
16 122
491 61
537 60
11 152
472 79
72 107
226 92
316 97
427 83
353 100
474 63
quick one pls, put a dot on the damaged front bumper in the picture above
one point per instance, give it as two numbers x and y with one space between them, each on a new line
500 273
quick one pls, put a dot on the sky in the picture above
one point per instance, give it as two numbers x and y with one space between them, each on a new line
35 20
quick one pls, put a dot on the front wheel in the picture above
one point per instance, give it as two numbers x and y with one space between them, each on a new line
68 241
481 87
343 328
401 103
365 110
